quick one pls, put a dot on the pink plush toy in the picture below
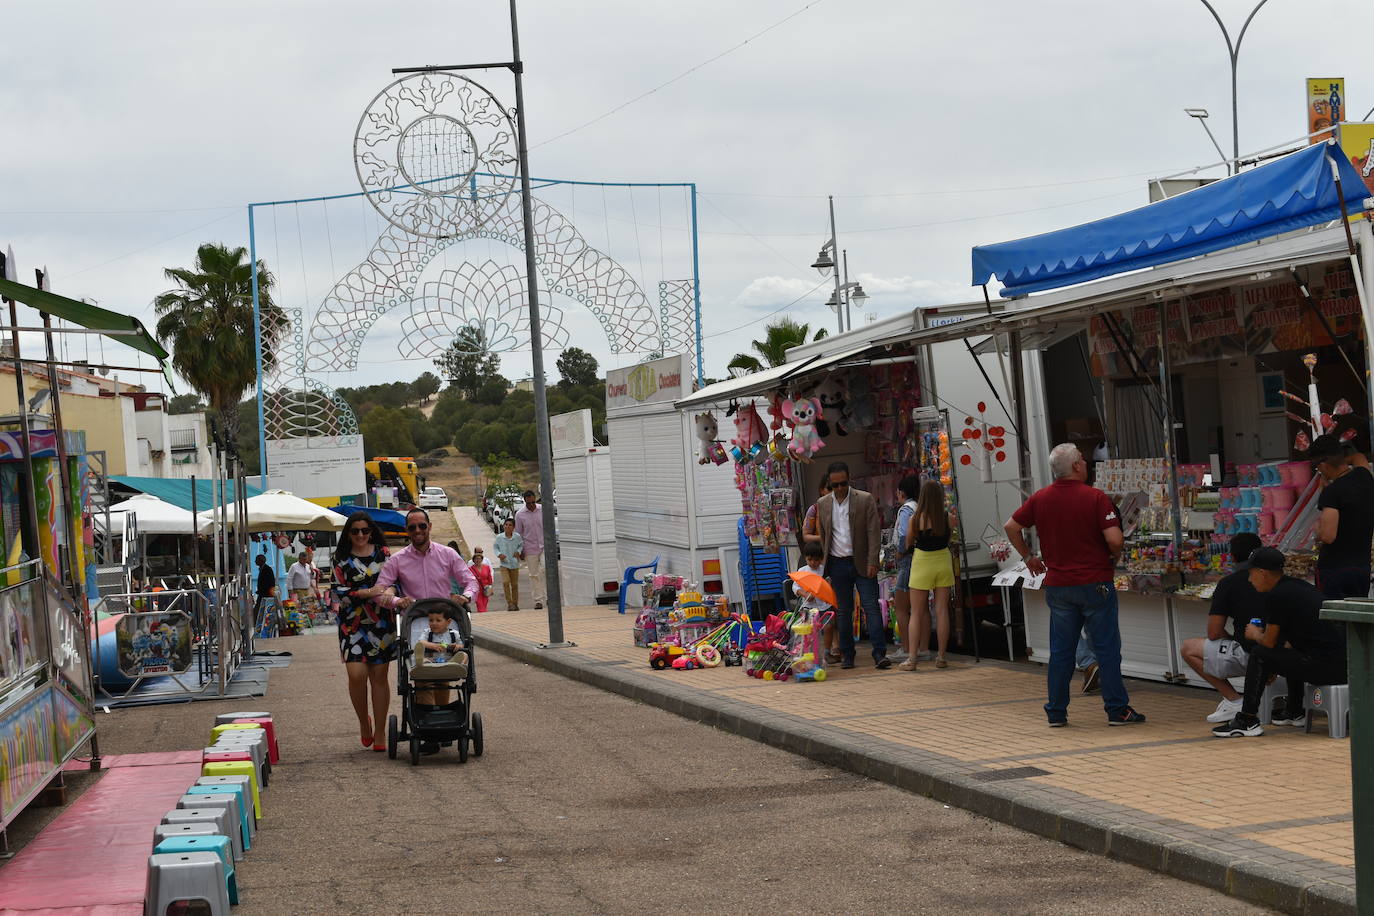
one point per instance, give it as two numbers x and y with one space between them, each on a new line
802 415
749 429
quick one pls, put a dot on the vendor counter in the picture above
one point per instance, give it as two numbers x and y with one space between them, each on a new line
1153 626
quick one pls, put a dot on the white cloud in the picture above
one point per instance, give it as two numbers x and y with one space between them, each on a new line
773 292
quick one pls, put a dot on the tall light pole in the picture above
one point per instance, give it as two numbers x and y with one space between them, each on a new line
844 290
541 405
1201 115
1233 52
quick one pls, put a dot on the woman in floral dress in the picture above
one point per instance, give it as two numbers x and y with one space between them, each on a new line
367 632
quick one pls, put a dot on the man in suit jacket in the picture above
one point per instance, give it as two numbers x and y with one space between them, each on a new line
850 535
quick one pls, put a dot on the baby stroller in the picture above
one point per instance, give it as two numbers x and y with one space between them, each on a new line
453 723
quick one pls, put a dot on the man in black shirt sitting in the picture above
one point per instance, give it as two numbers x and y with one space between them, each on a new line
1346 525
1295 643
1223 655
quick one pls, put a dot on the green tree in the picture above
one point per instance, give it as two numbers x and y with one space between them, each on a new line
493 391
425 387
185 403
576 367
386 432
208 319
778 338
468 361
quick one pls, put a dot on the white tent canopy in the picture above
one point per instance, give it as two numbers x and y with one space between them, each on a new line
278 510
153 516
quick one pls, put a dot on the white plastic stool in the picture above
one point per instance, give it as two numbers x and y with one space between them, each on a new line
1332 701
181 876
226 718
219 816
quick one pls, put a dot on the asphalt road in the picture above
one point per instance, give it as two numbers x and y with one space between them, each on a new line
586 802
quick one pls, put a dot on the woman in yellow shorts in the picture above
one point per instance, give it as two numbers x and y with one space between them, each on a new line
932 567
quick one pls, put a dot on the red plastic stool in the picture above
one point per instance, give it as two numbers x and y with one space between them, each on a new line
229 755
273 752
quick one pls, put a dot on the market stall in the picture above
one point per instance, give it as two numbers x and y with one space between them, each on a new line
1197 383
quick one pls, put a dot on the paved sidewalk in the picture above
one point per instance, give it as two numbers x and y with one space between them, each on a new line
1266 819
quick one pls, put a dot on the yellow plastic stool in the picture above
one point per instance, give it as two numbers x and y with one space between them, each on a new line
232 726
237 768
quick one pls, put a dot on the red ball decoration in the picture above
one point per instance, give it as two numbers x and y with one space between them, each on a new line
1001 456
966 459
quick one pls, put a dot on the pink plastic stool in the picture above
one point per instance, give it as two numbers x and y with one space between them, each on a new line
273 752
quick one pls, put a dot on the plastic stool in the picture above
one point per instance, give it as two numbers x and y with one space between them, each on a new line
229 801
245 790
273 748
219 815
1272 692
237 768
165 831
224 749
1333 701
180 876
255 742
231 727
225 718
219 845
243 814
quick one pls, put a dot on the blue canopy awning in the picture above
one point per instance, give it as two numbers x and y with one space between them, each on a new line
177 491
1289 193
387 519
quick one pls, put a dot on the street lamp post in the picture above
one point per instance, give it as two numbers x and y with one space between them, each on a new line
1201 115
1233 52
844 290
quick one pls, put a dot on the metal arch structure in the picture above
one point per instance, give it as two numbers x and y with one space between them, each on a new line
434 154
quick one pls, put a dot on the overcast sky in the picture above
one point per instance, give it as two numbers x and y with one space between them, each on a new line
135 131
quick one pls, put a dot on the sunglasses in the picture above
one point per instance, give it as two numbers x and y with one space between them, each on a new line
420 527
359 530
838 486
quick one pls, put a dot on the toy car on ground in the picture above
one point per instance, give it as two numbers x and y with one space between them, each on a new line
661 655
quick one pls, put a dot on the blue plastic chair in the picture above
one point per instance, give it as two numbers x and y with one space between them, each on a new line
629 579
763 574
216 844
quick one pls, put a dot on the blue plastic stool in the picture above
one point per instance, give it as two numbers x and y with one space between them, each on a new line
629 579
246 825
216 844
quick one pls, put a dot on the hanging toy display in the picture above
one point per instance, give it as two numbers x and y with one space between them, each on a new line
988 443
803 414
751 437
833 396
711 451
1317 423
775 417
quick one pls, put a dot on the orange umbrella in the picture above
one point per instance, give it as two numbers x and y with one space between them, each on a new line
814 585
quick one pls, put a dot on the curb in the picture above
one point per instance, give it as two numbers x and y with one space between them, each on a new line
1248 880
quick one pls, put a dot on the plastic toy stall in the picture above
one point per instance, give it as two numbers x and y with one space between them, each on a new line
1197 385
667 505
583 477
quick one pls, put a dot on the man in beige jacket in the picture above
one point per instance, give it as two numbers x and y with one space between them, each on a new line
850 535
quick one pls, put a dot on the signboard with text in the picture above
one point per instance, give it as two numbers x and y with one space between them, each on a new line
1357 142
317 467
1325 106
658 380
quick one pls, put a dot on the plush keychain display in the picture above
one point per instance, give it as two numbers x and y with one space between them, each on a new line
803 415
751 438
711 451
833 396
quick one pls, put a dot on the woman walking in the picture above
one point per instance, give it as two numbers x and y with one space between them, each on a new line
367 633
932 569
909 486
481 569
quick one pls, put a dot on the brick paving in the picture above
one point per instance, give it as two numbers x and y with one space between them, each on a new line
1268 819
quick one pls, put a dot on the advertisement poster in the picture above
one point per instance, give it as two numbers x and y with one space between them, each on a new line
1266 317
153 643
27 753
68 647
1357 142
45 498
1325 106
21 633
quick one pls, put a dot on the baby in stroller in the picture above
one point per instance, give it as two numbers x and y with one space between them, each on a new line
435 640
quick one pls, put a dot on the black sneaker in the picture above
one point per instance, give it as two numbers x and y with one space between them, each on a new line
1058 723
1127 716
883 663
847 663
1284 717
1242 726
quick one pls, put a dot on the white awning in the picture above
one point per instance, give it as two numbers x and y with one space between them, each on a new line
742 387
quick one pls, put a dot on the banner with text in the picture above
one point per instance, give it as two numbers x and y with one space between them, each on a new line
1325 105
318 467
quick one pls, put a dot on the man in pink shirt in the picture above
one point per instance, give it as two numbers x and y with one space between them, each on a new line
529 524
424 569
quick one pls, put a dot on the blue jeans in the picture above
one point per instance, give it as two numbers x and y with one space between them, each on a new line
1085 655
1075 608
844 576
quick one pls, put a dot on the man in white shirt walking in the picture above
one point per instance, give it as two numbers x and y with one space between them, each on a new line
849 527
529 524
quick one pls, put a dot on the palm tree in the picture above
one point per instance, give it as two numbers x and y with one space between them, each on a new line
778 338
208 319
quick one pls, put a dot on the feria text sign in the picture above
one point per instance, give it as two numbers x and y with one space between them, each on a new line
649 383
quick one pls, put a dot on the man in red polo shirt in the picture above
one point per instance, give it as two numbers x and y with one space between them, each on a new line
1080 536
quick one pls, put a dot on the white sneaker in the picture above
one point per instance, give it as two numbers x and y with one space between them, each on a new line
924 655
1225 711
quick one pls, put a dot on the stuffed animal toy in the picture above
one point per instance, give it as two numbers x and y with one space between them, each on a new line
833 397
775 413
711 451
749 429
803 414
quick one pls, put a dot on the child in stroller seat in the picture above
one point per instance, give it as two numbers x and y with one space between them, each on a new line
436 641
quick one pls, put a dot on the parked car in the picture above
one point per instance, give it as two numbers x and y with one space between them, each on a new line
433 498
